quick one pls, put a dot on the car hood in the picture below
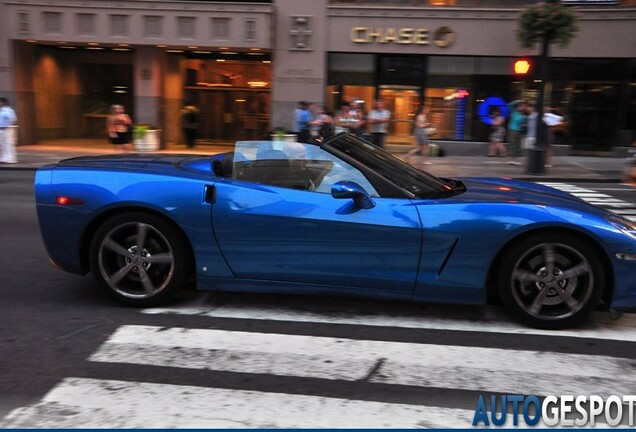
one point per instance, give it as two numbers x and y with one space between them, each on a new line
501 190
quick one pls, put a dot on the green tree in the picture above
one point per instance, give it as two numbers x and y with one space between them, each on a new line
549 20
546 23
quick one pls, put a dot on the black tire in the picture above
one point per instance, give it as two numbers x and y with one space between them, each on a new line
551 280
139 259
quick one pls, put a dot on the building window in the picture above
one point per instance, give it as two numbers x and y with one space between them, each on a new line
352 69
119 25
186 27
220 28
85 24
52 22
250 30
153 26
24 27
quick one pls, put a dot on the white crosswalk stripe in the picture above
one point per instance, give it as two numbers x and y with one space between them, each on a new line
88 402
425 365
602 327
624 208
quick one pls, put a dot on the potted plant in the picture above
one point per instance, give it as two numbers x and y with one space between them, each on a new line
145 137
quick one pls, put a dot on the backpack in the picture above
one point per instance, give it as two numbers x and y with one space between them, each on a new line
191 116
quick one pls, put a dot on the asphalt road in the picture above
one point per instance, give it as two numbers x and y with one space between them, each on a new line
69 357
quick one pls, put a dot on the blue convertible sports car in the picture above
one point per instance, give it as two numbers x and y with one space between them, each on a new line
337 218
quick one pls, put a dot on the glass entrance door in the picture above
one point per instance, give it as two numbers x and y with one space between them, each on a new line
403 102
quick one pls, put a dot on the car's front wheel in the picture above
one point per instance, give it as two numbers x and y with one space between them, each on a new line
139 259
551 280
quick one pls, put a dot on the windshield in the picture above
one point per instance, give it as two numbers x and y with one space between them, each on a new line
419 183
293 165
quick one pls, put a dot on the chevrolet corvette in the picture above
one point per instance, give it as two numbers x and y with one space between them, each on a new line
338 218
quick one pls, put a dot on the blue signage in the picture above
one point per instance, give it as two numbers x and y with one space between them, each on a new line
485 108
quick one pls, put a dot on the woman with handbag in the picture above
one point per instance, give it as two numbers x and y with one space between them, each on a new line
422 130
497 135
120 127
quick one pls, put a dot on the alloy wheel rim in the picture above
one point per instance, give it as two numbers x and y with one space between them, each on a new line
136 260
552 281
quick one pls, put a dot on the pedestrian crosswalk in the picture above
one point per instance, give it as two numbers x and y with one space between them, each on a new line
222 363
599 198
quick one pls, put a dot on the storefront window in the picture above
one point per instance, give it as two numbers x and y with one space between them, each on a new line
629 127
587 93
402 102
449 96
234 97
351 69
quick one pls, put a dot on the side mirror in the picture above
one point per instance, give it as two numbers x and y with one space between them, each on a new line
352 190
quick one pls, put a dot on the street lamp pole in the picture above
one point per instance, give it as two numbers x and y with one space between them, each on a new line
537 155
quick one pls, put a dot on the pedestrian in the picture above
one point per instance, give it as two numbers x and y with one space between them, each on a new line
7 139
421 130
357 112
120 128
530 139
345 119
302 120
552 121
189 123
497 134
517 127
378 120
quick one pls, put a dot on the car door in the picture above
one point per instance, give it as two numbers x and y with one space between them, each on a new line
280 233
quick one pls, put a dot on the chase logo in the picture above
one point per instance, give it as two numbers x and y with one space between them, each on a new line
558 411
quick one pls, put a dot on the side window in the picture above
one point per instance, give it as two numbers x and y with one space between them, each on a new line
293 165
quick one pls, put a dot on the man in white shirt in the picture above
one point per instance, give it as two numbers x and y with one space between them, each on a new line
378 120
7 143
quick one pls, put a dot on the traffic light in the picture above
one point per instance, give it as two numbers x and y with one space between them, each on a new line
522 67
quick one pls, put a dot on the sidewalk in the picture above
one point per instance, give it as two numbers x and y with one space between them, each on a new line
565 168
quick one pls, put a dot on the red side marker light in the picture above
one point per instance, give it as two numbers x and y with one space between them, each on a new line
504 188
64 200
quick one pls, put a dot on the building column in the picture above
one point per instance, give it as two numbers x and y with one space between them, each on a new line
19 88
173 99
148 85
7 83
299 63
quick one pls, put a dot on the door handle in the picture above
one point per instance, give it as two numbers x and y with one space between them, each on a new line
209 194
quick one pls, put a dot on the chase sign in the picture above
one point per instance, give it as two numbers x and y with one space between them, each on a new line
442 37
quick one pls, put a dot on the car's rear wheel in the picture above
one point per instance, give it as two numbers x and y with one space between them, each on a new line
139 258
551 280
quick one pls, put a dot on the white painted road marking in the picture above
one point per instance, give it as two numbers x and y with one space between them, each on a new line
602 327
423 365
89 403
624 208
